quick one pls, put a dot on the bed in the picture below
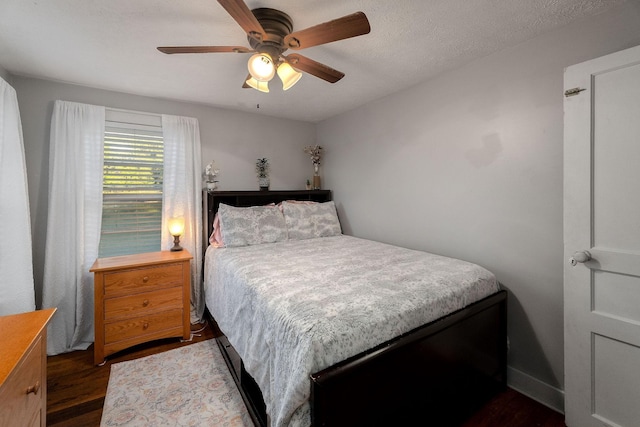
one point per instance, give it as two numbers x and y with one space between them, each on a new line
325 329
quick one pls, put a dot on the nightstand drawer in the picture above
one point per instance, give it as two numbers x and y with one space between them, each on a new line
139 326
143 303
125 282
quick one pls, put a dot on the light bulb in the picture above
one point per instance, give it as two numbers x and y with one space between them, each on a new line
261 67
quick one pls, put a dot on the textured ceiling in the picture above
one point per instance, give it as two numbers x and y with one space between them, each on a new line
112 45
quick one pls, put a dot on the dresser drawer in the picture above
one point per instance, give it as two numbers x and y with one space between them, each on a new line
125 282
138 327
142 304
21 395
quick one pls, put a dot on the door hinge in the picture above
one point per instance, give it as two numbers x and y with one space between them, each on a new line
574 91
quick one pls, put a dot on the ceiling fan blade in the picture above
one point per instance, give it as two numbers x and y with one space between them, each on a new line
346 27
241 13
314 68
203 49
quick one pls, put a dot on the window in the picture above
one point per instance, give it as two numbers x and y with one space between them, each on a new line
132 184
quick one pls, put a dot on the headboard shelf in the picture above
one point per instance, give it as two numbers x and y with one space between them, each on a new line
212 199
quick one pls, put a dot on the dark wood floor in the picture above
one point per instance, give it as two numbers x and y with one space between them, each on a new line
76 390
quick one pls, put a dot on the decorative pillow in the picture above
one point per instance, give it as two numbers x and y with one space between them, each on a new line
216 237
308 221
251 226
306 202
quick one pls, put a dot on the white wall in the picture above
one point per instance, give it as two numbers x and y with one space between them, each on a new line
234 139
5 75
469 165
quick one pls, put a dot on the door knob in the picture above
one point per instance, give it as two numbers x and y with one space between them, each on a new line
580 256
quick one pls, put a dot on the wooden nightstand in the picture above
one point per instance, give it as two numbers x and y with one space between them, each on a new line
140 298
23 368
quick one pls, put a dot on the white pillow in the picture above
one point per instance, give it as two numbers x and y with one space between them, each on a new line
251 226
308 221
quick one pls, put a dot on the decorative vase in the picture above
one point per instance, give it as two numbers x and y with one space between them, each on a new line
263 182
211 186
316 176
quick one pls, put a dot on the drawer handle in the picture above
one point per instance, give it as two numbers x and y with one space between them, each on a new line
145 325
145 279
34 388
145 303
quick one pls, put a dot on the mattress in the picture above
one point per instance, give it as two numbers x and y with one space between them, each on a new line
293 308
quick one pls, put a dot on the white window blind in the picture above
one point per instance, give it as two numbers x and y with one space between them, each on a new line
132 185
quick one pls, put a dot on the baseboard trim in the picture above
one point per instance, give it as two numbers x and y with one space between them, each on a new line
535 389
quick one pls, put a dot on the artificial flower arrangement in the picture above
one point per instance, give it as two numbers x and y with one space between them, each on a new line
211 175
262 167
315 151
262 170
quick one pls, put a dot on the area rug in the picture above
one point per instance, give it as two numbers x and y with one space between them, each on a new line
187 386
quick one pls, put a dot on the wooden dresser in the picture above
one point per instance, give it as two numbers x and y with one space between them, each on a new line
140 298
23 368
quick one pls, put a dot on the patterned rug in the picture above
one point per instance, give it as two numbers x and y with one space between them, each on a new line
187 386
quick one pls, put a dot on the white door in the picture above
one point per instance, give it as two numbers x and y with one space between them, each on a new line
602 238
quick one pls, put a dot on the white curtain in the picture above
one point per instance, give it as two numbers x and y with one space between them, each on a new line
73 223
16 264
182 196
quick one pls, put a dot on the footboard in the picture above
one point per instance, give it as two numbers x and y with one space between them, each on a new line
440 373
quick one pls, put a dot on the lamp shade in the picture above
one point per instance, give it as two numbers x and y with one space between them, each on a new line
261 67
257 85
176 226
288 75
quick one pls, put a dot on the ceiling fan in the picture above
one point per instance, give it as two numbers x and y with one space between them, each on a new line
270 33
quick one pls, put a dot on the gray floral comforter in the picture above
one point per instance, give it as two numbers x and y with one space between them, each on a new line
295 307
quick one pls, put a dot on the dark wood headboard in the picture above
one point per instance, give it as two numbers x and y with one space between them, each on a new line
212 199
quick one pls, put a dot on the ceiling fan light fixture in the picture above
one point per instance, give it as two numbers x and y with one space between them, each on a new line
258 85
261 67
270 33
288 75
